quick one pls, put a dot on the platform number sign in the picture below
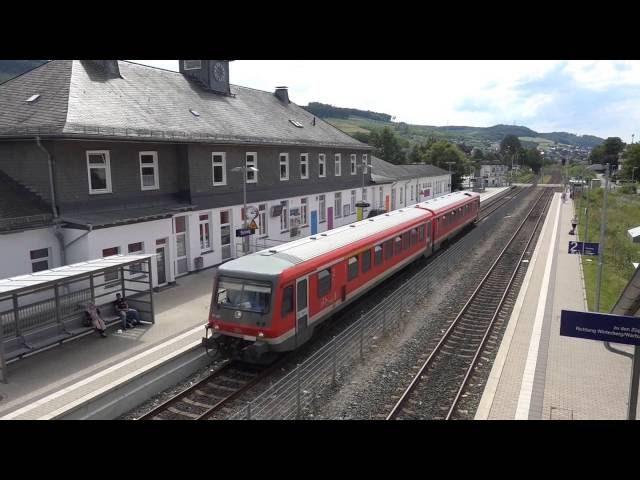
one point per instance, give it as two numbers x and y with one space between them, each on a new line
585 248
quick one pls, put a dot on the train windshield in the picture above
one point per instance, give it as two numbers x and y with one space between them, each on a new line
241 294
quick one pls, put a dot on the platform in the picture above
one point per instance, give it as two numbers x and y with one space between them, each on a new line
537 374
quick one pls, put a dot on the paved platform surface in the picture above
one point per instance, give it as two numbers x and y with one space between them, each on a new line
537 373
44 385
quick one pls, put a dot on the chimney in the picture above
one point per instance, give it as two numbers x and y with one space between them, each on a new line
283 94
110 67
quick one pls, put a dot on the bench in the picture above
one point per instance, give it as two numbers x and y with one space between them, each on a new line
39 330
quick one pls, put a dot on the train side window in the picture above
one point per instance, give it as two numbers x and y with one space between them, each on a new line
388 249
405 241
428 231
421 233
287 300
414 236
366 261
353 268
324 282
398 245
378 254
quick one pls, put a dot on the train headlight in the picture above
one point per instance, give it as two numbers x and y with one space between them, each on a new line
216 327
260 334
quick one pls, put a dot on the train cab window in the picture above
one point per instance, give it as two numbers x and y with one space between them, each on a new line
324 282
287 300
388 249
398 246
366 260
378 254
405 241
414 236
353 268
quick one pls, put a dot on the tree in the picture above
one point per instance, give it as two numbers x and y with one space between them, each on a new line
510 148
532 158
363 137
387 146
631 160
441 152
607 152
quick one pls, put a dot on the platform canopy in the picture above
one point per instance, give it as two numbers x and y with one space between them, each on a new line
45 278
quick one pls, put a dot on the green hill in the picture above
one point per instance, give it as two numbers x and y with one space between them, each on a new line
359 123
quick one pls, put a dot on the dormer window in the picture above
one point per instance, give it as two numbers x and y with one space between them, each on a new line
296 123
192 64
33 98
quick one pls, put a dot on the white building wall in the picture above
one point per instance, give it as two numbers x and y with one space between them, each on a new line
15 250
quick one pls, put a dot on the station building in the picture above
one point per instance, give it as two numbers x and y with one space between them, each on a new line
104 157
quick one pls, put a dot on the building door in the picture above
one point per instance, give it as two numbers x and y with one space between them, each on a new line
161 261
329 218
225 234
314 222
301 308
180 229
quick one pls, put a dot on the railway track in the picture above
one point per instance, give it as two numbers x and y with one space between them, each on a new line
443 379
493 205
211 395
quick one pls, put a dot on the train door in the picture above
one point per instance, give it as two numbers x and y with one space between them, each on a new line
302 309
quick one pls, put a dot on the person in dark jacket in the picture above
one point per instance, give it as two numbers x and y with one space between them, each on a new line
130 316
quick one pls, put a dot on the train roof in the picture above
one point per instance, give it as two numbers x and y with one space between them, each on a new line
273 261
440 204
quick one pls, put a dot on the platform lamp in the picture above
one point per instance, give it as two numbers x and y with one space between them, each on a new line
243 169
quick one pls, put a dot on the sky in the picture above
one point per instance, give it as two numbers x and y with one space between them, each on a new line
583 97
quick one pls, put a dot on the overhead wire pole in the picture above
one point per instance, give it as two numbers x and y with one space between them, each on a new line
603 224
450 179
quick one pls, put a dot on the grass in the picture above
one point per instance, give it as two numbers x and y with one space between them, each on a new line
524 177
623 213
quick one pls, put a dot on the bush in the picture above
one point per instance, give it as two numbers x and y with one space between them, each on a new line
628 189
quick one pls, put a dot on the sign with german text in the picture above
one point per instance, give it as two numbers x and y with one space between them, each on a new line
584 248
602 327
244 232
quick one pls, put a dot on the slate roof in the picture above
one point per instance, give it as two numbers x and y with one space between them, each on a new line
20 208
77 98
385 172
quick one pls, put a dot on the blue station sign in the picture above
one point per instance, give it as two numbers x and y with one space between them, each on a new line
602 327
244 232
586 247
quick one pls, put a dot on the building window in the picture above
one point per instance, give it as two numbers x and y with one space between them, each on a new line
149 171
324 282
364 194
219 168
284 216
113 275
322 165
353 164
304 166
322 208
393 199
412 193
353 201
99 171
284 166
136 249
337 205
338 164
251 160
39 259
401 196
381 198
205 230
192 64
347 210
352 270
304 208
262 215
365 166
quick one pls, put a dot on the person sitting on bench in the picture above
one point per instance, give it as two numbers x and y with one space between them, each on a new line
130 316
93 312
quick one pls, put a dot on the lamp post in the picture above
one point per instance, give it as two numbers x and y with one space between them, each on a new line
362 204
450 179
603 225
243 169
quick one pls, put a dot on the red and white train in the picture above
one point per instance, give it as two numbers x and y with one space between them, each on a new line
271 301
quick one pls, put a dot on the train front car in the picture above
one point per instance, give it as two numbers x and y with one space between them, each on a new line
242 319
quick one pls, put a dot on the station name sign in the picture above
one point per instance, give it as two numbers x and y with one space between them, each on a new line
584 248
600 326
244 232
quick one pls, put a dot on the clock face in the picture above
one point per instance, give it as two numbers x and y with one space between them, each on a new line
218 72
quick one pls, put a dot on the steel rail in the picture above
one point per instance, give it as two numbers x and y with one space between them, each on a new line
453 324
496 313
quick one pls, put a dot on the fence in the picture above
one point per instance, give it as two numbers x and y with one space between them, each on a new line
296 394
